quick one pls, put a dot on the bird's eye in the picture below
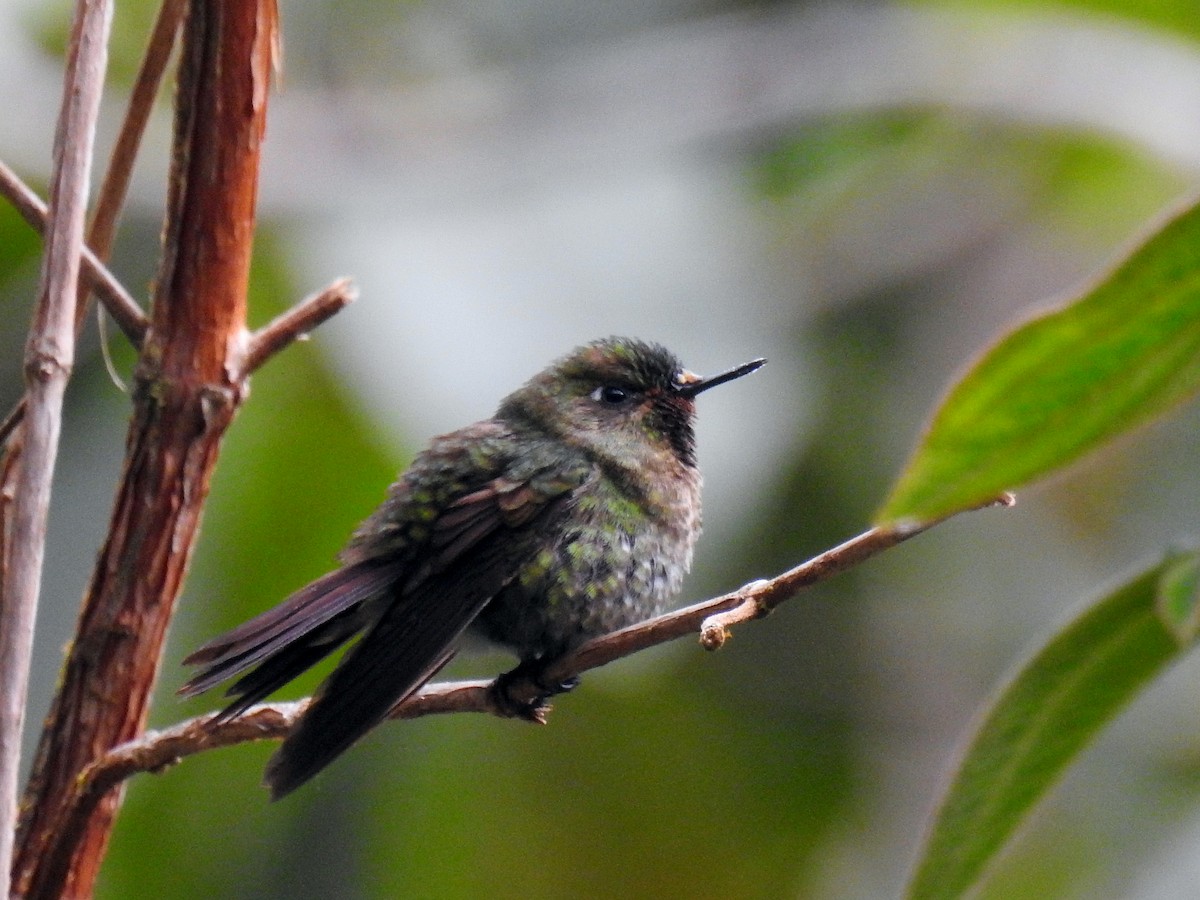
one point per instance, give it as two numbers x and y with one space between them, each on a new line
610 395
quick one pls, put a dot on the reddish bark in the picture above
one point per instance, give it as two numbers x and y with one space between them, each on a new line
189 384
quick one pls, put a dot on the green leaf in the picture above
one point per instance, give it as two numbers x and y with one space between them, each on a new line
1056 703
1178 16
1064 383
1178 593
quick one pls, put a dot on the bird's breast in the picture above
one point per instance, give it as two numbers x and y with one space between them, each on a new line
611 559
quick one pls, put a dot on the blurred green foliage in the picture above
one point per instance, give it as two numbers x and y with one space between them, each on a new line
51 22
20 258
1177 16
1082 184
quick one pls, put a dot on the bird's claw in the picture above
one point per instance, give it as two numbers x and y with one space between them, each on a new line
507 687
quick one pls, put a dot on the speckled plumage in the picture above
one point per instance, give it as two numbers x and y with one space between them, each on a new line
569 514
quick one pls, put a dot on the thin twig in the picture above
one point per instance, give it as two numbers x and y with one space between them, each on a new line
49 357
115 186
11 421
120 305
297 322
111 196
759 598
156 751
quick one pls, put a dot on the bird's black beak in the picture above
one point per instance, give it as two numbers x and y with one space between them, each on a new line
689 385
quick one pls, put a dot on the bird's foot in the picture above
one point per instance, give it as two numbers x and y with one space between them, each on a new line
511 691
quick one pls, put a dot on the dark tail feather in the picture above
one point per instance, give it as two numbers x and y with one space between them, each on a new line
290 637
286 664
315 743
400 652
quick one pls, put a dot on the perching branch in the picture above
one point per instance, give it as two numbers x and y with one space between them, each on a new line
507 696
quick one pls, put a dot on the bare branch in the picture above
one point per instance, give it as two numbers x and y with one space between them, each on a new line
141 103
509 695
184 399
115 186
297 322
49 357
120 305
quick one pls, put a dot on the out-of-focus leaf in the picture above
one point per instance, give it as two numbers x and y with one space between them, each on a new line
1178 593
1178 16
849 173
1066 382
839 151
1056 703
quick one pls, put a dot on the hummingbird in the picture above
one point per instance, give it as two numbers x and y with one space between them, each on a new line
571 513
